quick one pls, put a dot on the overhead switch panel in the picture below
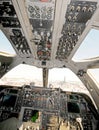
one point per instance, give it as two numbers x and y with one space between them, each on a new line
77 15
41 17
11 25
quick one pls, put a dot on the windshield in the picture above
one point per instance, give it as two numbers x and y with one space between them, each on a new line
58 77
23 74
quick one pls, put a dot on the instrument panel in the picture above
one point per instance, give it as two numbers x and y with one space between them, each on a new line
47 108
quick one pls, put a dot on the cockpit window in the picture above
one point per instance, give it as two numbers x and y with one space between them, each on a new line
65 79
89 47
23 75
5 45
94 74
62 74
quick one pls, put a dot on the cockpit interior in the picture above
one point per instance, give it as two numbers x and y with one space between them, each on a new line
47 34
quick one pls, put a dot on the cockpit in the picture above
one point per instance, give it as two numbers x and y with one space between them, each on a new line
48 35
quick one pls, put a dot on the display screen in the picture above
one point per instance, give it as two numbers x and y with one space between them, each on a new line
35 115
9 100
14 91
73 107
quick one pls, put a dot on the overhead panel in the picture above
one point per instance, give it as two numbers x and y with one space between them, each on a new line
11 26
77 15
41 17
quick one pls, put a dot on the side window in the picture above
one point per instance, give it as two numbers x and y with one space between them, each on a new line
5 45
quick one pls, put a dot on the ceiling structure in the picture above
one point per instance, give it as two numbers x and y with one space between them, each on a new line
47 33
